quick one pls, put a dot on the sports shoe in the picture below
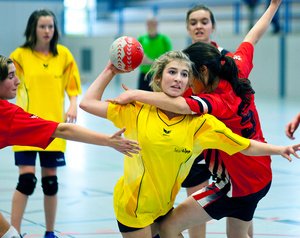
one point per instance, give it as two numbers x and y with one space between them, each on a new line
50 234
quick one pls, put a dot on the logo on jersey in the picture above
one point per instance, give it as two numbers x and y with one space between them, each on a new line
166 132
237 57
182 150
33 116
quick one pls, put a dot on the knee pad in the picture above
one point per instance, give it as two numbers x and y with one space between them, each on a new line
50 185
26 184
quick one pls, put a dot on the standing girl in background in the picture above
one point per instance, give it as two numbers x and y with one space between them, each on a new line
47 70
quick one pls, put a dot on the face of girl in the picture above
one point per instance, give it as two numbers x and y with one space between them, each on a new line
45 29
200 26
8 87
175 78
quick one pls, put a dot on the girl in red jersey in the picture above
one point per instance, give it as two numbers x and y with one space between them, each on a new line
220 93
18 127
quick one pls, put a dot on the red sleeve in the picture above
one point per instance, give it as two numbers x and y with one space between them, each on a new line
222 103
28 129
244 59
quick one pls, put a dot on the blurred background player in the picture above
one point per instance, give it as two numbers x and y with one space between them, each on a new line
154 44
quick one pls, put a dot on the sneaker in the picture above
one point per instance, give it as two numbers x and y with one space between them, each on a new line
50 234
23 235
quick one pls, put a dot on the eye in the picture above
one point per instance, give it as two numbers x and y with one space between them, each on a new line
205 21
172 71
11 75
185 74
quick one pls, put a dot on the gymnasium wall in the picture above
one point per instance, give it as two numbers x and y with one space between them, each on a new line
276 70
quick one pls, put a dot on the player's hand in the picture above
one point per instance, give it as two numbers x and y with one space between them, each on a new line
292 126
124 98
123 145
288 150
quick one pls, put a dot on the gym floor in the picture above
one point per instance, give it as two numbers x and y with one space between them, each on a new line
86 184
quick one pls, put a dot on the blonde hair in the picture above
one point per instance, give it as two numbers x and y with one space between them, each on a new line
158 66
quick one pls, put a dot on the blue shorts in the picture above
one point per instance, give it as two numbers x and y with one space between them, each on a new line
198 174
48 159
218 205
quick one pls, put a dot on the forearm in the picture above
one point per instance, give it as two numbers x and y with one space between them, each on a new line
257 148
163 101
77 133
262 24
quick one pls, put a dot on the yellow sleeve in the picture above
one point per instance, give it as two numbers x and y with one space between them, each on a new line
213 134
73 83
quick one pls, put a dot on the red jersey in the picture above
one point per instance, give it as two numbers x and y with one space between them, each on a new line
246 174
18 127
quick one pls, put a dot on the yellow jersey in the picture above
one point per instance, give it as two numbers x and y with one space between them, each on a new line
45 79
153 178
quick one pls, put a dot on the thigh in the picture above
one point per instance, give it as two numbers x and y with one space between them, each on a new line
237 228
186 215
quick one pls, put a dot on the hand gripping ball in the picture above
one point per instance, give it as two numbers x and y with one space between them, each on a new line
126 53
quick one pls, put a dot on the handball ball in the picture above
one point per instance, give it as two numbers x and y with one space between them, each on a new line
126 53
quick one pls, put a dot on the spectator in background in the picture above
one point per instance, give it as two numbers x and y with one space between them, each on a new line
154 44
252 6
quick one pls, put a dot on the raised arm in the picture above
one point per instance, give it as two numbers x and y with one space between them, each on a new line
92 100
263 23
158 99
74 132
257 148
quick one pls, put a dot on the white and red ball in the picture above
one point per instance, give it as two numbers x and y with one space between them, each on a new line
126 53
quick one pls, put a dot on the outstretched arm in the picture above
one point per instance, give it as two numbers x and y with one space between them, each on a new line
257 148
292 126
77 133
263 23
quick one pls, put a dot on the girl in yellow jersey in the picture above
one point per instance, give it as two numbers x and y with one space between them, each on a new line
169 145
47 71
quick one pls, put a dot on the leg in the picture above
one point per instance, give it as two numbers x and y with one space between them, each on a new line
238 228
25 188
50 188
4 225
198 231
188 214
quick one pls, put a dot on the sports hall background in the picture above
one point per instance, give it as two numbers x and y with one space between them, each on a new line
86 184
276 72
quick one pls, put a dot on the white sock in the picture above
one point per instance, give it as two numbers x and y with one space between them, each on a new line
11 233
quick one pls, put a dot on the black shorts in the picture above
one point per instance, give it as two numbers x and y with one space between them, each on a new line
124 229
198 174
48 159
218 205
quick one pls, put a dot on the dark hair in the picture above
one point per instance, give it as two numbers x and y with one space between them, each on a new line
219 66
197 8
30 31
4 62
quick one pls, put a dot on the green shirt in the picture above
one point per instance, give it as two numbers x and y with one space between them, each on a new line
154 47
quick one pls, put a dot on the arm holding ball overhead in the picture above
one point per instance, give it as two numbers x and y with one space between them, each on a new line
92 101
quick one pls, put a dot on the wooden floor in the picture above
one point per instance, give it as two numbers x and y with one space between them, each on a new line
85 207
